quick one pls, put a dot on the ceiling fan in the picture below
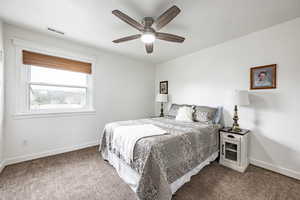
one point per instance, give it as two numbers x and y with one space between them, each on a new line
149 34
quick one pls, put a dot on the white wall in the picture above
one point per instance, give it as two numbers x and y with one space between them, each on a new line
124 89
1 97
207 77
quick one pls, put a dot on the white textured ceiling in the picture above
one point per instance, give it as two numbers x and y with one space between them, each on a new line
204 23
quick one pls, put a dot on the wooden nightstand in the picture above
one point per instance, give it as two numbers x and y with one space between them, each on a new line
234 149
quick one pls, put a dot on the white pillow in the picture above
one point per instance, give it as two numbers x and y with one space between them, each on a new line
185 114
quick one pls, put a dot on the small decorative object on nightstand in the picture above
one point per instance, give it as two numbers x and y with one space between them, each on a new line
162 98
234 149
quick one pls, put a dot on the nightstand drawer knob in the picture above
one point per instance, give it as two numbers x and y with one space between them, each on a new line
230 136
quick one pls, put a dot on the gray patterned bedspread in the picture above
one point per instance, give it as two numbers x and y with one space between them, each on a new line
161 160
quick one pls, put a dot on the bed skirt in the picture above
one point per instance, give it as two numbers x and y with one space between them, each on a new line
132 178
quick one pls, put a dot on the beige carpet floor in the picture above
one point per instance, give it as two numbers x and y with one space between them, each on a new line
84 175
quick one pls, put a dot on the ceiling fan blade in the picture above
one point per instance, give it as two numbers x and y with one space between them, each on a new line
128 20
149 48
169 37
128 38
166 17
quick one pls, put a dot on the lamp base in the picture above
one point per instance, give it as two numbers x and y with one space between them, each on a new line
161 110
235 125
236 129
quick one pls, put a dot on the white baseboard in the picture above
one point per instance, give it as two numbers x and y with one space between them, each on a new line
278 169
2 165
33 156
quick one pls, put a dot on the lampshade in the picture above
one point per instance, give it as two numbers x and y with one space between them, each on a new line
162 98
241 98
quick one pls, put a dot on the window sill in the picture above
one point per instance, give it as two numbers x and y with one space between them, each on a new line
54 114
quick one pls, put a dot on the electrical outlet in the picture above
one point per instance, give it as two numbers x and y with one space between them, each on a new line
25 142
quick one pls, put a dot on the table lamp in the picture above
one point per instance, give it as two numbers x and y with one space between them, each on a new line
240 98
162 98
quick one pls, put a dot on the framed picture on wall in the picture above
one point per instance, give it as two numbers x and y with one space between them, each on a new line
163 87
263 77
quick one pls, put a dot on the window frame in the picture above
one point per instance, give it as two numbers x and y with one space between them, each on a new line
23 82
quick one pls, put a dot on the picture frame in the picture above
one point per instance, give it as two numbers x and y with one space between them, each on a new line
163 87
263 77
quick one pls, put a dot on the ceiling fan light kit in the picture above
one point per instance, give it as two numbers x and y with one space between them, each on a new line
148 38
148 34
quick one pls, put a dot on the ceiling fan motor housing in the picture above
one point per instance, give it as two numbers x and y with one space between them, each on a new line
149 30
147 21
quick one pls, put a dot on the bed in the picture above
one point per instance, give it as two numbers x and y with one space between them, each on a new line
162 164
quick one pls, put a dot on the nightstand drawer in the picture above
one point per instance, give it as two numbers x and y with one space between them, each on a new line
231 136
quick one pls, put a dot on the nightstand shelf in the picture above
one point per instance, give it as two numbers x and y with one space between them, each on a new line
234 149
231 150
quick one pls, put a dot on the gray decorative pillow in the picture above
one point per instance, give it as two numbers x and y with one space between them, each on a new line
200 116
204 114
174 109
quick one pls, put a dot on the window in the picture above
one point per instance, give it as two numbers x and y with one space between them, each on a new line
52 84
56 89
